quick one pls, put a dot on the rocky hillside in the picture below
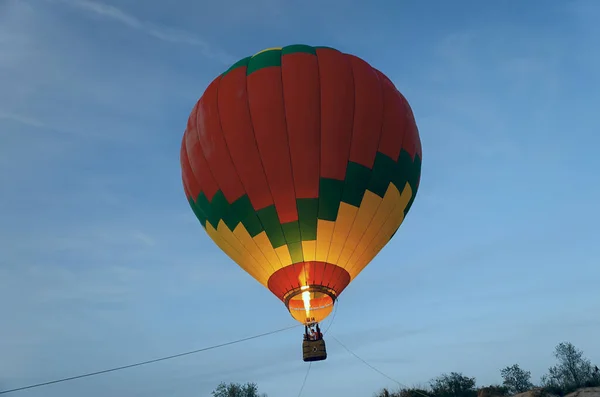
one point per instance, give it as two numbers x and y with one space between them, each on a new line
586 392
583 392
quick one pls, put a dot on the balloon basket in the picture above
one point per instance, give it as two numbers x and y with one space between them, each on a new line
314 350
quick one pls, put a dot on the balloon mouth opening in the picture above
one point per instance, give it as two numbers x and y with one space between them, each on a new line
310 304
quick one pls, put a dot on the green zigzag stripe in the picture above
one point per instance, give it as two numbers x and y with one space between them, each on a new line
332 192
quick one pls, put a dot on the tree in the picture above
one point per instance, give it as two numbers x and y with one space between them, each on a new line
516 379
572 371
492 391
237 390
453 385
417 391
386 393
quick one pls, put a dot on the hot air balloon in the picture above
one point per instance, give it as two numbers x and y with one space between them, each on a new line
301 163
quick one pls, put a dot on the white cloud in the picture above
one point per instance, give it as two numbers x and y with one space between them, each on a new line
20 119
54 77
164 33
479 86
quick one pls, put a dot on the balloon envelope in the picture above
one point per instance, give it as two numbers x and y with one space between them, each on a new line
301 163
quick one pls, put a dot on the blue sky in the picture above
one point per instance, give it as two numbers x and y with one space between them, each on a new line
102 262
